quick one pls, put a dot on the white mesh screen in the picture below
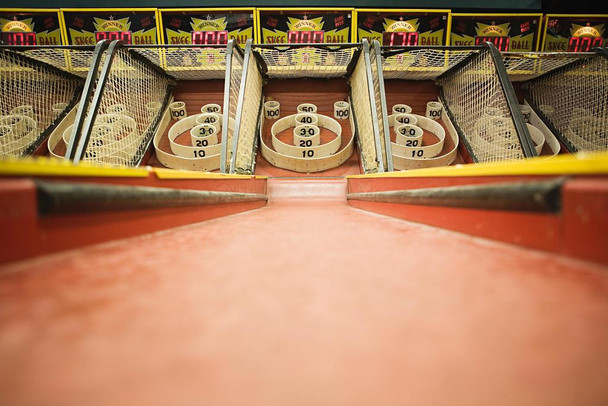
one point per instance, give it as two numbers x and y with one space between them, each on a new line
311 62
188 63
244 162
575 102
33 98
420 64
363 112
528 65
477 101
76 61
377 109
128 113
236 74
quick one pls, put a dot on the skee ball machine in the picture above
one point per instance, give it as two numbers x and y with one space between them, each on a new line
308 103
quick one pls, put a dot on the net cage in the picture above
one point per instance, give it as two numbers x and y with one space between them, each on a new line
265 63
476 95
188 64
125 105
568 92
114 124
34 98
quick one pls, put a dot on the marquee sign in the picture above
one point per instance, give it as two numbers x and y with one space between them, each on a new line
282 26
132 26
30 27
403 27
509 32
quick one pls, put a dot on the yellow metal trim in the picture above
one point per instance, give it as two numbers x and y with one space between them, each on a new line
64 31
545 25
403 10
44 166
576 15
539 33
208 9
354 27
165 173
159 28
257 35
569 164
29 10
497 15
105 9
448 35
305 9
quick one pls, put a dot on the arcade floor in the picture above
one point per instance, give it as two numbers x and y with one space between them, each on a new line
306 301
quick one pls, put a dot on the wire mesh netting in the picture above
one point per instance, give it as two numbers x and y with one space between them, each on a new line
130 107
187 62
306 62
33 99
378 99
476 100
574 100
363 112
76 61
244 159
528 65
420 64
236 74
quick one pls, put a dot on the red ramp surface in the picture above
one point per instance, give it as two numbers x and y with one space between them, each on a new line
306 301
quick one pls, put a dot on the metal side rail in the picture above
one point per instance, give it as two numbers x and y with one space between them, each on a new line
541 196
71 197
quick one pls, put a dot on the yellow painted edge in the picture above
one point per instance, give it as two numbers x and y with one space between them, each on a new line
159 28
572 164
448 34
43 166
257 36
117 9
305 8
64 31
208 9
539 33
497 15
166 173
354 27
545 25
403 10
28 10
576 15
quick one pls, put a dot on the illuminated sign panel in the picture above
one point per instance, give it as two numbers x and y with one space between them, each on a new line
207 26
305 26
87 26
576 33
508 32
403 27
26 27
